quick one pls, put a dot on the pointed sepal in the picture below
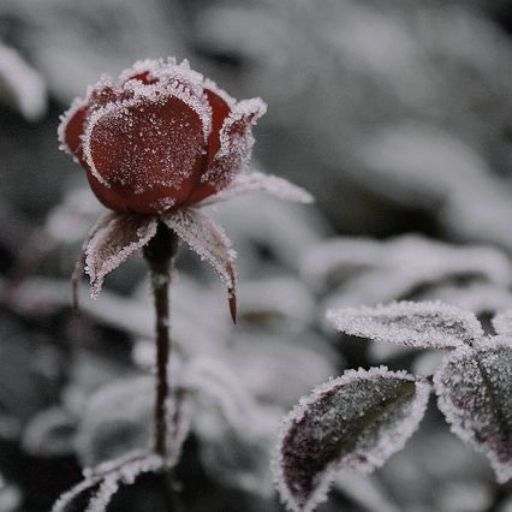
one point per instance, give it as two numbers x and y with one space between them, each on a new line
112 240
209 241
258 182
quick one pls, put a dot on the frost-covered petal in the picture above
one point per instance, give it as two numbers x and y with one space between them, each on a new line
71 128
210 242
21 86
259 182
149 150
418 324
474 393
356 421
113 242
234 149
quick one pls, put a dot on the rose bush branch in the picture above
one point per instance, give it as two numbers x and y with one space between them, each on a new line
156 145
160 253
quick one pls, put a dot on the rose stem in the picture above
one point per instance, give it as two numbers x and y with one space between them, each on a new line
159 253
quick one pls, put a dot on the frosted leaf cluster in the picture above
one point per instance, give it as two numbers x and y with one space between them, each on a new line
364 271
356 421
423 324
473 382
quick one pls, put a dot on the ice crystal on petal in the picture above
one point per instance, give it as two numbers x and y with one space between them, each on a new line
113 242
474 393
258 182
210 242
166 117
21 85
356 421
236 142
418 324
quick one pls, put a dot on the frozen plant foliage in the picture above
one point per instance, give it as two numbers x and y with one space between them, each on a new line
21 86
422 324
107 478
474 393
356 421
379 271
473 383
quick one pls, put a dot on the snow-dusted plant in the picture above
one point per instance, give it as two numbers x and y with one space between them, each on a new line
357 421
158 144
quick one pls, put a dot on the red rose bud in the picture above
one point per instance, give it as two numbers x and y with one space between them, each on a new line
160 137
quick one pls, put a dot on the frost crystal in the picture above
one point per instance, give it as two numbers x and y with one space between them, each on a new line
210 242
356 421
422 324
259 182
117 237
474 393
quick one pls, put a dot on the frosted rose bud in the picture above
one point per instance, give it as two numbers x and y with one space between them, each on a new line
160 137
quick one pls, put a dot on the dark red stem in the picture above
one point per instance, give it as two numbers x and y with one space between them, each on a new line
159 253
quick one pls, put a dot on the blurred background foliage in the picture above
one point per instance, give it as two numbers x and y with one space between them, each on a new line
396 115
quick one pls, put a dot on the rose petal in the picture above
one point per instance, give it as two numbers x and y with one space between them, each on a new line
71 128
148 150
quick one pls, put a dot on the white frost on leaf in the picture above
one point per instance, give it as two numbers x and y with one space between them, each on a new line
474 393
502 322
371 272
259 182
356 421
113 242
417 324
21 86
108 477
210 242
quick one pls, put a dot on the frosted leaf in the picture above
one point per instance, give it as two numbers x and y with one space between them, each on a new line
113 242
210 242
340 258
279 303
478 297
356 421
216 385
70 220
108 477
125 474
258 182
473 388
21 85
50 433
417 324
394 269
502 322
115 421
10 496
